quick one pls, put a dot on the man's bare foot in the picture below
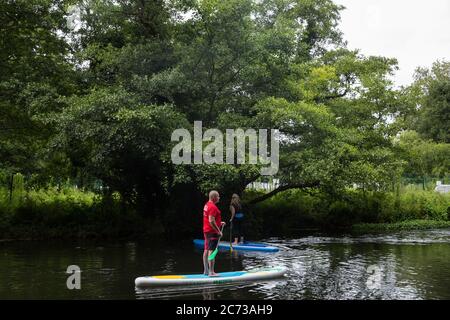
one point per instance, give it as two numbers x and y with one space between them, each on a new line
213 274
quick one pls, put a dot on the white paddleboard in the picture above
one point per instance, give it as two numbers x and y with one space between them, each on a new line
199 279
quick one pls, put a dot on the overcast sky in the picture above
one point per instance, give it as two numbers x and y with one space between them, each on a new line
416 32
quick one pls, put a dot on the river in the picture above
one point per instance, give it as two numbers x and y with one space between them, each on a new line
401 265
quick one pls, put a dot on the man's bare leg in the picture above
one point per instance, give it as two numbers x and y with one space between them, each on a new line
211 267
205 262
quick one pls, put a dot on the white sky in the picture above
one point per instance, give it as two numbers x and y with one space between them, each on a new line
416 32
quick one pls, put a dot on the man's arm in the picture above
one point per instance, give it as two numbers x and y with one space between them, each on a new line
212 222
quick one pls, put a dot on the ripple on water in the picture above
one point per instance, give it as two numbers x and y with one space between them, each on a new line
402 265
352 268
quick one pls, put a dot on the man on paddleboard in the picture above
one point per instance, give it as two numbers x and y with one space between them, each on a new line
212 219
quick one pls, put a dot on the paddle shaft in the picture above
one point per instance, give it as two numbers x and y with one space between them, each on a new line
231 232
218 241
214 253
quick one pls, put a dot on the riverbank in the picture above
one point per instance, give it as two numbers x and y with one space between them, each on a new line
70 213
353 210
399 226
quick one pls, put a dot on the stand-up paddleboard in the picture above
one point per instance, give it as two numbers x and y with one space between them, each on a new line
199 279
246 246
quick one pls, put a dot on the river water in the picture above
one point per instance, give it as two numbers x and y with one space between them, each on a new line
402 265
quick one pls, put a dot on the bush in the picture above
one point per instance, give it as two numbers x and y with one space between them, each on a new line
67 213
285 212
428 205
296 209
404 225
71 212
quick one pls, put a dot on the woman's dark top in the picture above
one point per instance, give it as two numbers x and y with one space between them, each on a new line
238 211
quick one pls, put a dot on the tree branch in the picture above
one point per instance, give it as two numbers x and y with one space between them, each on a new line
330 97
284 188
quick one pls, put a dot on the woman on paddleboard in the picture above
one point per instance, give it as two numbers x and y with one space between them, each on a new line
236 219
212 219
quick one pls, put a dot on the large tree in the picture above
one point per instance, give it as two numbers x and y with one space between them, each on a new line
35 72
101 99
231 64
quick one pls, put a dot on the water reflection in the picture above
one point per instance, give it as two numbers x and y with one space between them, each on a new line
404 265
206 292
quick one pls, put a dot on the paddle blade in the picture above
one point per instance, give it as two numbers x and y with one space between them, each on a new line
213 255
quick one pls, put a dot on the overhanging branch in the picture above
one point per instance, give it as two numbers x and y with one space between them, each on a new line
284 188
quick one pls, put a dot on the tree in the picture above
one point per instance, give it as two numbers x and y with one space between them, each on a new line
137 70
336 125
115 138
266 64
35 72
432 89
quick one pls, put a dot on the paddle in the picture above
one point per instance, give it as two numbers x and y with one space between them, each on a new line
213 255
231 232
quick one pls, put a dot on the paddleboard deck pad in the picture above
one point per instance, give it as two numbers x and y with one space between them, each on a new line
199 279
246 246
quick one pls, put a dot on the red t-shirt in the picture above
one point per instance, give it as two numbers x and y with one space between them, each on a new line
210 209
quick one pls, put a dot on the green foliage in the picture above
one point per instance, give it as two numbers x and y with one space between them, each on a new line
295 210
432 92
95 103
424 158
119 140
69 213
405 225
287 211
37 210
396 207
35 71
